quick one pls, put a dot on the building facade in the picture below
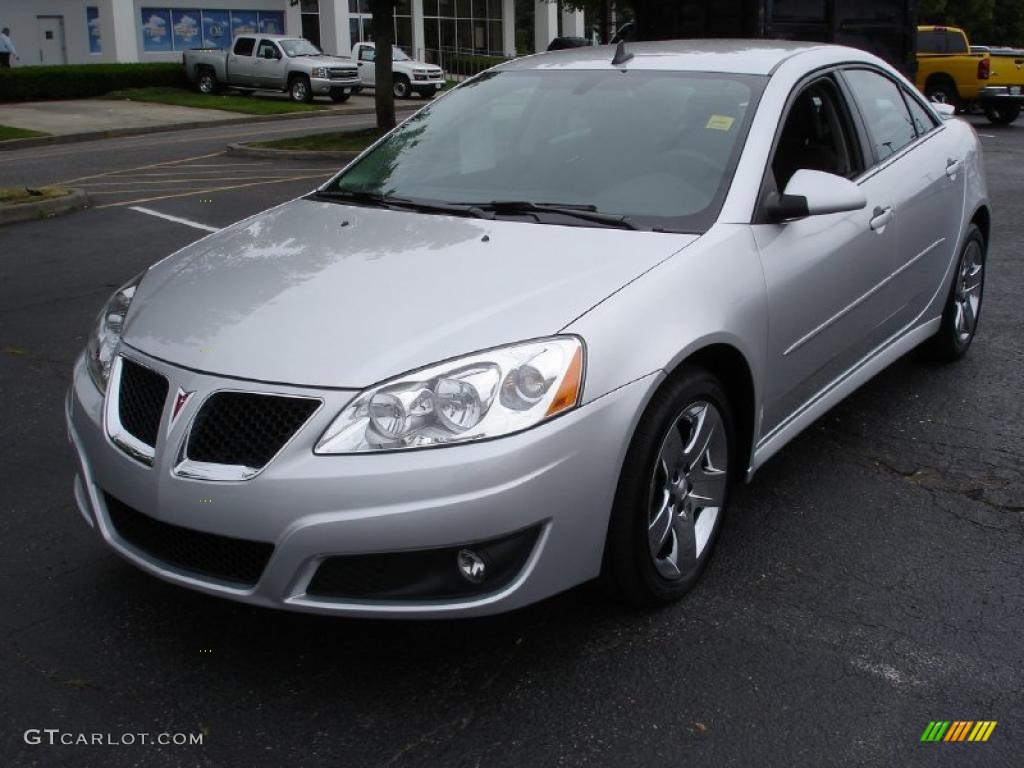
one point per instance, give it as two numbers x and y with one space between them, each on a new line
87 31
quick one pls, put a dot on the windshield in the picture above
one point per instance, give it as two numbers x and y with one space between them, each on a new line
293 48
397 54
656 147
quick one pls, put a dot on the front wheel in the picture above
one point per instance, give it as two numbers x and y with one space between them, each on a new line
943 91
400 88
1002 115
963 306
300 90
672 493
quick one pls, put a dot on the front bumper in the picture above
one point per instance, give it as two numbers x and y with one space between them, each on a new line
323 86
558 479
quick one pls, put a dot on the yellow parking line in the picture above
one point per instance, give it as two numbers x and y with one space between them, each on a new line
206 191
139 168
123 182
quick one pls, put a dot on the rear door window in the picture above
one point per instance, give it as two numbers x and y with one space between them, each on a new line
244 46
890 126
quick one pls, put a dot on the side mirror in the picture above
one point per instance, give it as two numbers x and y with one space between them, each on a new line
815 193
946 111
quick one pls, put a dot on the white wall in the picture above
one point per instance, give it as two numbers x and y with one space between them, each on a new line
20 16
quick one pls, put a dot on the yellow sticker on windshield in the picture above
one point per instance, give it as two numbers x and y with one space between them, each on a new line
720 123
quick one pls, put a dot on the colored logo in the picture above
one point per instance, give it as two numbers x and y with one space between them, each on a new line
180 400
958 730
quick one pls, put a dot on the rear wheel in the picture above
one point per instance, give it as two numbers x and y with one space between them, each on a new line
300 90
943 90
963 306
207 81
672 492
1002 115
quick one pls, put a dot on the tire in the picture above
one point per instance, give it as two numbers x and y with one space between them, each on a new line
428 94
962 312
657 546
942 89
400 87
207 82
300 90
339 97
1000 115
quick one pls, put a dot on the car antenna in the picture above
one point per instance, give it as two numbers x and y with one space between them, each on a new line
621 55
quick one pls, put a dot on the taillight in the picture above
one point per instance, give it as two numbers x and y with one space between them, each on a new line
984 68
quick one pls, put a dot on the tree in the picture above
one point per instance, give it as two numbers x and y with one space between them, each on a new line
383 39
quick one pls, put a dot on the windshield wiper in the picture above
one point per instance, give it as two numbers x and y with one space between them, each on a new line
376 199
573 210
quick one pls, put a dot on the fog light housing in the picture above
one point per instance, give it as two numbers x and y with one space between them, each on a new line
471 566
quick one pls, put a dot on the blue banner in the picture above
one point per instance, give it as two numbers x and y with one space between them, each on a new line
156 29
244 23
216 29
187 28
92 23
272 22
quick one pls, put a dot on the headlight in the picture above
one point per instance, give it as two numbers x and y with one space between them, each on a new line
319 72
106 332
484 395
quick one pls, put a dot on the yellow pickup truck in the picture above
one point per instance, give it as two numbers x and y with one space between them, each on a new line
947 71
951 71
1003 97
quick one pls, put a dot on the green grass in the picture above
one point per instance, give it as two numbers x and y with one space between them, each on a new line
230 102
15 195
340 141
7 132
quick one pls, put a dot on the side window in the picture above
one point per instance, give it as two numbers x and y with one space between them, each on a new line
816 136
931 41
267 50
244 46
923 120
956 42
888 122
366 54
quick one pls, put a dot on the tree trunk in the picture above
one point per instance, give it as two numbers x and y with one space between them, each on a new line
383 38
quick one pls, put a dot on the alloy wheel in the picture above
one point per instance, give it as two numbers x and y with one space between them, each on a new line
688 487
968 291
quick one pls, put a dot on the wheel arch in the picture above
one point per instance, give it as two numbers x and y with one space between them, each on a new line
983 218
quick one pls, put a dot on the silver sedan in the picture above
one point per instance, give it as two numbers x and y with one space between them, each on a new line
533 335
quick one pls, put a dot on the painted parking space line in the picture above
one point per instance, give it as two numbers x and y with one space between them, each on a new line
175 219
210 189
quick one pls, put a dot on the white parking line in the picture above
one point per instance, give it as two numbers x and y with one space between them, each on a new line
176 219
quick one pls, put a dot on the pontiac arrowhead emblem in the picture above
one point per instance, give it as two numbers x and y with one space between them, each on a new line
180 401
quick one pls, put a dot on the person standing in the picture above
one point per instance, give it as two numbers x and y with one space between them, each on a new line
6 48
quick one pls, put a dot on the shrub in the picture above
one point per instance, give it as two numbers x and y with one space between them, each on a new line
469 63
83 81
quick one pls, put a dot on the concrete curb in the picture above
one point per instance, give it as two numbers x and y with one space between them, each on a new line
44 209
244 150
115 133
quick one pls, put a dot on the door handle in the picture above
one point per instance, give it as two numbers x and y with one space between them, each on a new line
880 217
953 167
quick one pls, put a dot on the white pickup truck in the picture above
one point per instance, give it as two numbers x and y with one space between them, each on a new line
409 76
272 62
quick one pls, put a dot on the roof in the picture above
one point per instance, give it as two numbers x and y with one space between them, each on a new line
752 57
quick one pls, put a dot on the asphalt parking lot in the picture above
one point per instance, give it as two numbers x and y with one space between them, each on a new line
869 580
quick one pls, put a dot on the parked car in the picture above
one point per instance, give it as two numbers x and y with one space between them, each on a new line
534 335
561 43
408 75
272 62
1003 97
947 70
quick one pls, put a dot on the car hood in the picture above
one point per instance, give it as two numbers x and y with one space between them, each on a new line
328 61
320 294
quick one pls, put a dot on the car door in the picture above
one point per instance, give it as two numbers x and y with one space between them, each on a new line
924 167
268 66
366 65
240 61
825 275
